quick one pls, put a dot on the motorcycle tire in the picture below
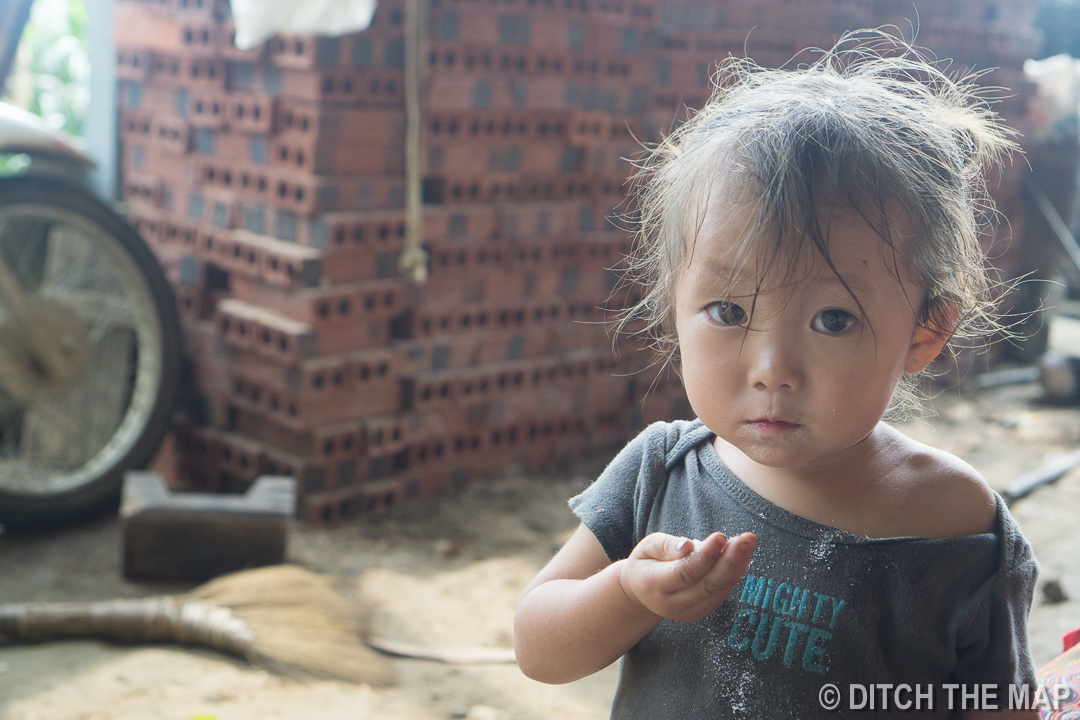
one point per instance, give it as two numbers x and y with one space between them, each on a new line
63 458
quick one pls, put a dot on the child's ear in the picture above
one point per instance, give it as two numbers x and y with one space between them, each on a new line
929 339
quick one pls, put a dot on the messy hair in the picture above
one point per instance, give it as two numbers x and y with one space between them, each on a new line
869 126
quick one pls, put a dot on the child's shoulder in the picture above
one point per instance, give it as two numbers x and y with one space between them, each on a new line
943 495
670 440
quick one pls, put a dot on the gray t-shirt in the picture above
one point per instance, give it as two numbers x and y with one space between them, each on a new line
817 605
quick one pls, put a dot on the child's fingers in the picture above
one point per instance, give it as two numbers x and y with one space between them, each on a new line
683 579
663 547
712 545
682 547
724 575
699 600
689 569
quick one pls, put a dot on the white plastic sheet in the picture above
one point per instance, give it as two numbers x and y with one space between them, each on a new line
258 20
1055 109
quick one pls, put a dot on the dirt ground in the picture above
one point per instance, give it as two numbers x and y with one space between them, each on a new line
448 571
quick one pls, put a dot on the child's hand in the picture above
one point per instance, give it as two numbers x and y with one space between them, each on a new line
682 579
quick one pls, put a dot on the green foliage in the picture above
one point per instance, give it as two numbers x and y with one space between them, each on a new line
13 164
55 43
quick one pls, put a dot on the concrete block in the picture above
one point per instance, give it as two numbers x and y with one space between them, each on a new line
197 536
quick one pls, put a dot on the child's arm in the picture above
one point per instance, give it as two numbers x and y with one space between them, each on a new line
582 612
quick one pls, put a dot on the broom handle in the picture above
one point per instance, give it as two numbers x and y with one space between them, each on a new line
190 622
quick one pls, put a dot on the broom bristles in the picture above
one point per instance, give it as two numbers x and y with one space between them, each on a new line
298 622
283 617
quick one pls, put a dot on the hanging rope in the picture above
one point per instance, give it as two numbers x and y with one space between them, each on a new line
413 261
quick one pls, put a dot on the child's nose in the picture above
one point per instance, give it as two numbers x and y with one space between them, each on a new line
775 364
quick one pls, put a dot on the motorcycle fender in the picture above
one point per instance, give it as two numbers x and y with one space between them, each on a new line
24 132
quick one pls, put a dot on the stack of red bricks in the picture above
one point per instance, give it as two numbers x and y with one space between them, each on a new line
271 185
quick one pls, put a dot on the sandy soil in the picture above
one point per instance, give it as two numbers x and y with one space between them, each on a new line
448 571
441 571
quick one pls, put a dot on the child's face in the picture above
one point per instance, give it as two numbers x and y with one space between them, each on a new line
812 373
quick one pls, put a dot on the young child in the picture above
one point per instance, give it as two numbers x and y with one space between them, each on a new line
809 243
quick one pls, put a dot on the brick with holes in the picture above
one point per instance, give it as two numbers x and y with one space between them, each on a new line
263 259
318 392
344 318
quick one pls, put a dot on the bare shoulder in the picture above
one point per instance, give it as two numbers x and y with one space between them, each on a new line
950 498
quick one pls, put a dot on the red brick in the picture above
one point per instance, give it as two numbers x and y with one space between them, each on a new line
376 88
318 392
312 53
262 332
133 64
327 444
344 317
171 134
307 196
305 152
202 36
334 506
532 187
263 259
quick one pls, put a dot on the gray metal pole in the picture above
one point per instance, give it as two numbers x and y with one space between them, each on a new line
13 16
100 124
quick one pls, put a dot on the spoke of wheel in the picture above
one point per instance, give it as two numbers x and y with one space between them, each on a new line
97 264
25 248
18 234
58 418
104 324
75 266
13 293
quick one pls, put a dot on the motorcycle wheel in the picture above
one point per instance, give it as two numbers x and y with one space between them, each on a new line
63 454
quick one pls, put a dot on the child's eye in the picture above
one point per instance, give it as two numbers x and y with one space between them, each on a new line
726 313
833 321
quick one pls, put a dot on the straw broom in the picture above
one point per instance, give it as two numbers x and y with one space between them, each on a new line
280 617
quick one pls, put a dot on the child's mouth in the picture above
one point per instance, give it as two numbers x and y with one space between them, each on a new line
766 425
